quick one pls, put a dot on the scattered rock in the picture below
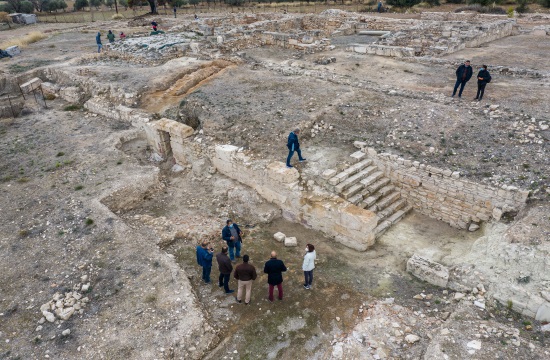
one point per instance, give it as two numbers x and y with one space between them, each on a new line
474 344
66 332
411 338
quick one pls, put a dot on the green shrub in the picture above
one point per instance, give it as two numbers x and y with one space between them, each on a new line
545 3
522 6
404 3
81 4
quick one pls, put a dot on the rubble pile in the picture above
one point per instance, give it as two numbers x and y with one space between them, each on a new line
62 307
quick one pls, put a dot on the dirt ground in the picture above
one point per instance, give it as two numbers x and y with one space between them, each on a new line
81 201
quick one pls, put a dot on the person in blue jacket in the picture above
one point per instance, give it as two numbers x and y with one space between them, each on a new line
204 258
293 145
98 42
233 236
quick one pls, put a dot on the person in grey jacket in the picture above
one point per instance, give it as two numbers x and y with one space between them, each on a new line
309 265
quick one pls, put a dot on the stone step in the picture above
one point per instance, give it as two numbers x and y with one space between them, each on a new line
382 228
338 178
378 185
371 200
398 215
386 190
385 201
352 180
352 190
356 199
390 210
372 178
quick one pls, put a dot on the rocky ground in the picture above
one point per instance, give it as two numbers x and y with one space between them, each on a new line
97 241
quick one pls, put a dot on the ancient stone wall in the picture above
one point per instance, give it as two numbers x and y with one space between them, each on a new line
443 195
312 207
462 16
167 137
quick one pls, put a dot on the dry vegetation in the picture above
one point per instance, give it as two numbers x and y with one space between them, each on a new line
23 41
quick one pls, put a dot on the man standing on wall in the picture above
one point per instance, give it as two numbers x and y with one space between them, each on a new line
293 145
225 267
463 75
483 78
233 236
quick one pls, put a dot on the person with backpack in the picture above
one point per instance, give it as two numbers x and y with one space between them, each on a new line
483 78
463 75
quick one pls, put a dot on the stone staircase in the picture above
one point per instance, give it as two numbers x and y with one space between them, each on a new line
364 185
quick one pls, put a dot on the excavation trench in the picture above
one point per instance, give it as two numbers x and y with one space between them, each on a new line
185 83
305 322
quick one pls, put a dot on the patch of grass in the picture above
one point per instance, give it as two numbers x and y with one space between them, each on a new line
61 153
61 233
24 233
437 301
7 178
525 323
89 222
79 187
72 107
119 162
49 97
23 41
23 179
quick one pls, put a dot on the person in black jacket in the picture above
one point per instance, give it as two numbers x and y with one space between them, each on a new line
293 145
233 236
483 78
274 269
225 266
463 75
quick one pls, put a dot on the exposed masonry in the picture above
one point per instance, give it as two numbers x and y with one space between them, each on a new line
443 195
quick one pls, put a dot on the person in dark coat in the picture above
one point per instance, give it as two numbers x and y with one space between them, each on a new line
483 78
225 266
154 25
233 236
245 274
204 258
274 269
380 6
463 75
293 145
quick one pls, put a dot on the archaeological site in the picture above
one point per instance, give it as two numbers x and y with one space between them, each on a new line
429 213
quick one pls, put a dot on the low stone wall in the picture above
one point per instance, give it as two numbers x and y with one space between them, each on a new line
167 137
491 32
313 208
103 107
443 195
382 50
462 16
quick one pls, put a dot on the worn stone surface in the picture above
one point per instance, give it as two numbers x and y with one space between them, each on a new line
428 271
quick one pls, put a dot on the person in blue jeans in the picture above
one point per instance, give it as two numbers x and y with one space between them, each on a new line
463 75
233 236
205 253
293 146
98 41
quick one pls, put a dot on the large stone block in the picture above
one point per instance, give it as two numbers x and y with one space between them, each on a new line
280 173
291 241
279 236
429 271
543 313
225 152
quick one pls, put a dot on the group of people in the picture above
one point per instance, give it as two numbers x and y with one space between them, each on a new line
110 37
464 74
245 273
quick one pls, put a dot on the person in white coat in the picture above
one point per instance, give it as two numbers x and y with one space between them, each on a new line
309 265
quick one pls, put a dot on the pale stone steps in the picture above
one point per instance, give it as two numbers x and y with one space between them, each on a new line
372 178
385 201
356 199
353 169
353 180
386 224
371 200
352 191
378 185
391 209
386 190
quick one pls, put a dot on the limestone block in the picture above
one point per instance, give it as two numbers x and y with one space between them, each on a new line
280 173
279 236
327 174
225 152
360 144
31 85
357 156
291 241
539 32
429 271
543 313
49 88
497 214
13 50
71 94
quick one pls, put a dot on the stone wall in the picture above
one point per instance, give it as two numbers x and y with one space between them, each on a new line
167 137
313 207
443 195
